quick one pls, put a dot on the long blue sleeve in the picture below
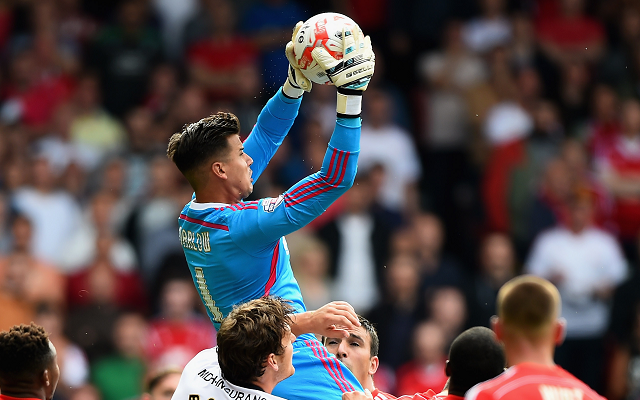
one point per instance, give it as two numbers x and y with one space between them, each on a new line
307 199
274 122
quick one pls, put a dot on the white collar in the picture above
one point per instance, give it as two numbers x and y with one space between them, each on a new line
204 206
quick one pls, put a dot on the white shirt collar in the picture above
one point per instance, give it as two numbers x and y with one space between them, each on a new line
204 206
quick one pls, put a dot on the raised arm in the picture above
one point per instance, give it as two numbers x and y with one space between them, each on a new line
274 122
307 199
311 196
277 116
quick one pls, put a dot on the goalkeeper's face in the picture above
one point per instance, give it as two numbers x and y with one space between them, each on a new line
238 168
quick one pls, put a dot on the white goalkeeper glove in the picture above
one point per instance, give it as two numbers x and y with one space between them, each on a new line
352 74
296 83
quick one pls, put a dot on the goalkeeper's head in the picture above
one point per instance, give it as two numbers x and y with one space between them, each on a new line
211 156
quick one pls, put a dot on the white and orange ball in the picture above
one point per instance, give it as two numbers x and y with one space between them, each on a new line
322 30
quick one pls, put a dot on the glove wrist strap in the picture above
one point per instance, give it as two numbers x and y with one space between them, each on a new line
349 103
291 91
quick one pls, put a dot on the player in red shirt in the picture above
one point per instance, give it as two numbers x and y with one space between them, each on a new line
28 364
475 356
529 327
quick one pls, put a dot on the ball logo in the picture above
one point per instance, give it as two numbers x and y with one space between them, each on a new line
324 30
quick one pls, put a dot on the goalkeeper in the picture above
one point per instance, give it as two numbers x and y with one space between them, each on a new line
235 249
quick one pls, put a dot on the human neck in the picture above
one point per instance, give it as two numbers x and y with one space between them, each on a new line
212 194
578 229
264 384
453 390
368 384
520 350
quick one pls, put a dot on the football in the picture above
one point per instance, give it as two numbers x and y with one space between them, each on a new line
320 30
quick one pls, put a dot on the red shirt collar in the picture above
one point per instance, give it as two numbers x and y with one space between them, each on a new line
5 397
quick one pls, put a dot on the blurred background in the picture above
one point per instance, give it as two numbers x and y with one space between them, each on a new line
499 137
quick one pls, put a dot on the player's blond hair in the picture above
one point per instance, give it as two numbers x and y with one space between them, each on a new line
528 306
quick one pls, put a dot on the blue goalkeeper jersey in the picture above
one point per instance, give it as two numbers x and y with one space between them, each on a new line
237 252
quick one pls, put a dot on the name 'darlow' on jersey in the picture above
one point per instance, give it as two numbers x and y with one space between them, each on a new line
198 241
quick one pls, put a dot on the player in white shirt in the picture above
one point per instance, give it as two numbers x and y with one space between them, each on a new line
254 353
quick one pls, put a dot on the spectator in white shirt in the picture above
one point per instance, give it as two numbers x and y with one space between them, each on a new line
53 213
586 264
382 142
450 72
490 30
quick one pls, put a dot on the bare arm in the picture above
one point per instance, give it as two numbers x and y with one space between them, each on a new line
332 319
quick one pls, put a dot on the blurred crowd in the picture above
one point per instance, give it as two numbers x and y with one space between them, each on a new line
499 137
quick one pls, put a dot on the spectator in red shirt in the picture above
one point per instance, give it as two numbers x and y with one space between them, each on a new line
619 171
571 35
583 178
178 333
103 283
426 371
31 97
6 23
604 125
216 63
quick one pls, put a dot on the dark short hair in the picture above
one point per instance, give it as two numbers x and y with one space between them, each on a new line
198 142
475 356
248 335
373 335
24 352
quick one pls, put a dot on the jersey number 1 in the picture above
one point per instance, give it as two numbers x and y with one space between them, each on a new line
206 296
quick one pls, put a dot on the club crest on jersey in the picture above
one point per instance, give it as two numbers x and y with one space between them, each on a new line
270 204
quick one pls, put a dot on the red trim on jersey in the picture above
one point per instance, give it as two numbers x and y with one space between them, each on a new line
328 185
335 361
274 265
340 161
204 223
314 183
428 395
251 205
314 347
335 366
344 168
5 397
304 185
